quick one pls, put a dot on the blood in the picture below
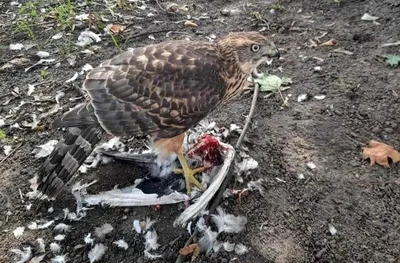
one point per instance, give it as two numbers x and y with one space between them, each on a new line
208 150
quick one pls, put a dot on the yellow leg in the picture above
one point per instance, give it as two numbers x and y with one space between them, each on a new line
189 173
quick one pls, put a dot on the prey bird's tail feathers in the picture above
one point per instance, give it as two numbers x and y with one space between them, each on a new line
66 158
71 151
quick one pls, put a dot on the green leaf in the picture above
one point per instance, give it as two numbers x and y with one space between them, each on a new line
392 60
2 136
273 83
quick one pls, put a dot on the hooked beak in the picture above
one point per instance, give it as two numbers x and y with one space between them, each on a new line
275 54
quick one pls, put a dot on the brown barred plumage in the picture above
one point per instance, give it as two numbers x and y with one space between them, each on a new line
162 89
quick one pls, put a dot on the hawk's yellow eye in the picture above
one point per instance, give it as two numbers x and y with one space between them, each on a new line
255 48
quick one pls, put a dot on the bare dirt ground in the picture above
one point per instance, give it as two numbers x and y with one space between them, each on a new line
290 223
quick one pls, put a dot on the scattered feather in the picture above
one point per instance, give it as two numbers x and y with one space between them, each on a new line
207 241
189 227
57 36
22 256
61 227
86 68
55 247
136 226
59 237
45 225
19 231
259 185
246 164
148 255
59 259
227 222
332 229
7 149
43 54
201 224
87 38
17 46
58 96
228 246
31 89
41 247
241 249
368 17
148 224
88 240
45 149
73 78
319 97
217 246
97 252
37 259
103 230
151 240
121 244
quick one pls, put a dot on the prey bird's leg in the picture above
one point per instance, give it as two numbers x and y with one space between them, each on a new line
189 173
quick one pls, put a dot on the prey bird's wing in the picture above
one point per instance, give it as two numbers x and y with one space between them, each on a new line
165 88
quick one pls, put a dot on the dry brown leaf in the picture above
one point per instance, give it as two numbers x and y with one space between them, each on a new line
190 24
193 249
328 43
117 29
378 152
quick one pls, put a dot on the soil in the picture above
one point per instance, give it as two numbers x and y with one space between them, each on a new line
290 222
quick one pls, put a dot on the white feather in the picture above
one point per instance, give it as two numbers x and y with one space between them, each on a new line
88 240
201 225
136 226
217 246
241 249
59 259
102 231
22 256
62 228
258 185
149 223
41 246
121 244
37 259
227 222
148 255
151 240
55 248
59 237
206 242
96 253
19 231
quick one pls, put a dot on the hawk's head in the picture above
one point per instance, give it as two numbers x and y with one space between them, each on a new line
250 48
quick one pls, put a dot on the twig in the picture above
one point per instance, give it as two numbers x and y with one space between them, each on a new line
249 117
11 153
224 185
159 5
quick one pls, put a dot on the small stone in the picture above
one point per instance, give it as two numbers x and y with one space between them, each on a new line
302 97
311 165
225 12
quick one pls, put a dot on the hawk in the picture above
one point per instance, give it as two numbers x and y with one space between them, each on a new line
162 90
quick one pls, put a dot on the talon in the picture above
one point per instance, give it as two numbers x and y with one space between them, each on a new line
189 173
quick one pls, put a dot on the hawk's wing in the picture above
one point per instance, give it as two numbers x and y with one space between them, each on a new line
165 88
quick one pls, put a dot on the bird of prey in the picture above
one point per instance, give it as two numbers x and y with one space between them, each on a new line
160 90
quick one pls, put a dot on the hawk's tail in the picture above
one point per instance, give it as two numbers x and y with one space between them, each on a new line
67 156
